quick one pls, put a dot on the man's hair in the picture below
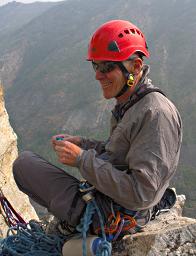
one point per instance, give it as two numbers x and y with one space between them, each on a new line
137 55
140 55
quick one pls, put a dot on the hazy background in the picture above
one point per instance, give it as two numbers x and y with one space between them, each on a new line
3 2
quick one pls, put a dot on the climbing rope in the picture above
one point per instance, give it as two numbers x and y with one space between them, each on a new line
104 248
117 224
12 218
28 239
31 240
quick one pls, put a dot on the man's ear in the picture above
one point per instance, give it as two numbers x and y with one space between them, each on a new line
137 66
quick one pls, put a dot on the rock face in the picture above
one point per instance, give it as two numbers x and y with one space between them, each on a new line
169 235
8 153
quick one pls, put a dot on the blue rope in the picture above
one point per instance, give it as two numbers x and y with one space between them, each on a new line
105 247
31 241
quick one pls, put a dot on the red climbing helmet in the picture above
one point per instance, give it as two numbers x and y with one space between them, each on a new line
117 40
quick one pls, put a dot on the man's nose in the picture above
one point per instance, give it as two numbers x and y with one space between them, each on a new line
99 75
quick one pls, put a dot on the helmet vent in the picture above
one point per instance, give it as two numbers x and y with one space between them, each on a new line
120 35
138 32
126 31
132 31
113 46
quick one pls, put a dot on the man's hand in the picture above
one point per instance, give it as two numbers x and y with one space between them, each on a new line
66 137
67 152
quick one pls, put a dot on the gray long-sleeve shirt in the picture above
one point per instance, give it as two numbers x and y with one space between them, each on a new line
147 140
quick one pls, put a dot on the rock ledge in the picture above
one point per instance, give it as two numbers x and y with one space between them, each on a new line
169 235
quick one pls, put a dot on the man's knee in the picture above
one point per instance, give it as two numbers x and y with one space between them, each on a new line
21 162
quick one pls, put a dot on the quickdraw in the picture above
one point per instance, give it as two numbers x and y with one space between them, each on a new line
117 225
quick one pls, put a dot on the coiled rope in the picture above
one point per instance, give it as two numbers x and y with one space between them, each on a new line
31 240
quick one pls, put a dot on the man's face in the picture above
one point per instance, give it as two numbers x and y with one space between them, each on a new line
111 82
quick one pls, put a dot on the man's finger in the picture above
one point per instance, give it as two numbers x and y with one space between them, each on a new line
61 143
60 148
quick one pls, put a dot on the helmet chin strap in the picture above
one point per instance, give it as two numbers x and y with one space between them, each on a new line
129 77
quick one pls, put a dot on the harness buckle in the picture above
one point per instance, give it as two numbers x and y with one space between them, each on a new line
87 190
88 197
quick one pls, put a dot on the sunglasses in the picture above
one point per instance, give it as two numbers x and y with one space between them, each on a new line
104 67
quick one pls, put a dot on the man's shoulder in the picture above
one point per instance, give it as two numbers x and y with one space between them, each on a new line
152 100
155 104
155 100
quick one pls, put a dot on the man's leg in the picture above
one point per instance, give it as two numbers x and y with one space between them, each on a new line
49 186
41 211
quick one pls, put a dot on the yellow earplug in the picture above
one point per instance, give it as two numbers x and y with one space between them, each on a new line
130 80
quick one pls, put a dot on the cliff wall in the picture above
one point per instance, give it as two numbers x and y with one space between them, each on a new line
8 153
